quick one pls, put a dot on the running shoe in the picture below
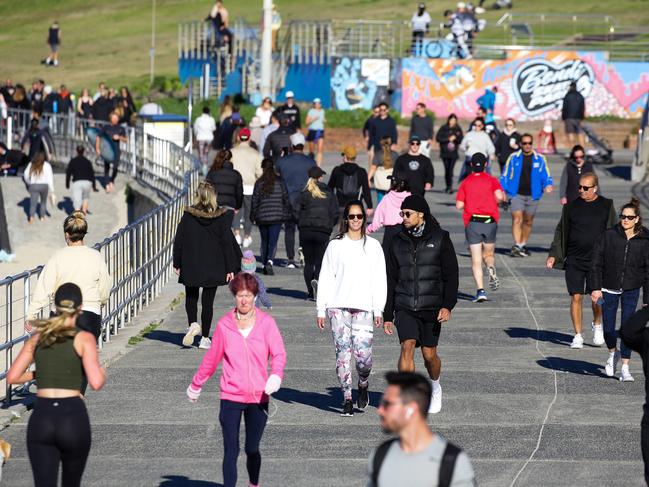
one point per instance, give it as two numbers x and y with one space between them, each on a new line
205 344
348 408
516 251
268 269
363 396
480 296
314 286
494 282
525 251
577 342
435 401
598 334
193 330
611 363
290 265
300 256
247 241
625 375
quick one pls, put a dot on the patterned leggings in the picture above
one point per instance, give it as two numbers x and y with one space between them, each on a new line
352 330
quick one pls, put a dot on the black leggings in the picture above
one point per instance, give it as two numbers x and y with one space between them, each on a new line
314 244
58 433
207 307
449 165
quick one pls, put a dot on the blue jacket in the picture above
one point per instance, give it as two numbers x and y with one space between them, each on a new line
487 100
540 178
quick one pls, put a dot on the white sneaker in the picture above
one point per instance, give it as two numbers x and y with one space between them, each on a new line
237 237
206 343
193 330
247 241
598 334
290 265
577 342
625 375
435 401
611 363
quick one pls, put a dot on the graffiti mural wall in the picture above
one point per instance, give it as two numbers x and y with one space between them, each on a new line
359 83
531 84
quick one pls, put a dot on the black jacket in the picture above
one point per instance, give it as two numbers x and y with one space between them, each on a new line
204 249
635 334
574 106
382 127
278 142
619 263
503 149
345 171
444 132
228 184
80 169
570 179
268 209
422 272
318 214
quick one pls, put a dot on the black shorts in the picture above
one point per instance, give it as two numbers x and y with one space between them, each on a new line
314 135
421 326
577 278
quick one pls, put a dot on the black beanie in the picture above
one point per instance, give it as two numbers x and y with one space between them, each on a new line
416 203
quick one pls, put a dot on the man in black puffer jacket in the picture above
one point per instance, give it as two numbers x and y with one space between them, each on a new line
422 289
229 187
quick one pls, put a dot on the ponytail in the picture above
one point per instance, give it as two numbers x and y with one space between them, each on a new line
314 190
55 329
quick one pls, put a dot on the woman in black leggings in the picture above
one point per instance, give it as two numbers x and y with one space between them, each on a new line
205 255
317 213
449 137
58 432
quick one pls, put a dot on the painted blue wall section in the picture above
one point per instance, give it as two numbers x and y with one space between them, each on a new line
308 81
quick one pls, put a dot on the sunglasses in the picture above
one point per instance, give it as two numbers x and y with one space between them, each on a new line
585 188
628 217
478 125
526 143
355 216
406 214
415 143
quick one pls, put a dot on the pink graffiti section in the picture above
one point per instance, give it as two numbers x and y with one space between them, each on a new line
531 84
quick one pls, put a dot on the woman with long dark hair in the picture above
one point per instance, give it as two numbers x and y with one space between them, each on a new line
449 136
316 213
619 268
246 340
352 291
58 432
227 182
40 181
270 209
205 256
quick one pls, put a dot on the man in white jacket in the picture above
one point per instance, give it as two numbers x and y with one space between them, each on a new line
204 128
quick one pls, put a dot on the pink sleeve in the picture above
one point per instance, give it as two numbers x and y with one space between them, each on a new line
377 220
211 359
276 348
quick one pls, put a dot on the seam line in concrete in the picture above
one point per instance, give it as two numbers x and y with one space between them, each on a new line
554 399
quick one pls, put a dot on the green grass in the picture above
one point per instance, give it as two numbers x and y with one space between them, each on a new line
109 41
134 340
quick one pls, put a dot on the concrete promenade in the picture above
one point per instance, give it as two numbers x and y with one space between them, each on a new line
527 409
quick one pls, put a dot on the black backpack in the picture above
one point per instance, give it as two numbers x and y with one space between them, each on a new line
350 188
446 468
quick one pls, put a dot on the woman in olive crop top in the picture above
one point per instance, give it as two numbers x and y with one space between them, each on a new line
59 429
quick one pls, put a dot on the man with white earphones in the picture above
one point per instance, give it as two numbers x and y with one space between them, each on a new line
416 457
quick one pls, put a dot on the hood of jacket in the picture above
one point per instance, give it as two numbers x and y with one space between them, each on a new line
643 233
395 198
204 217
349 168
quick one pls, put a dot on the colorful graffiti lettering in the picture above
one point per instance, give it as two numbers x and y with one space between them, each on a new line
531 84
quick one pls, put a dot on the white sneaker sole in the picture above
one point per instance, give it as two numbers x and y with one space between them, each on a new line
188 339
628 378
576 346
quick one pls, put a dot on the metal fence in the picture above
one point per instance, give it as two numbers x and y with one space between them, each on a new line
138 256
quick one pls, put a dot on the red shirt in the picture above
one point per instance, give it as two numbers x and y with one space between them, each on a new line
477 192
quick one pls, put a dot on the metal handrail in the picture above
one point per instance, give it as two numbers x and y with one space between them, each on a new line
138 256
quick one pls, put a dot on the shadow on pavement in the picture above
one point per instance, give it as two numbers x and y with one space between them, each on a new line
288 293
461 296
533 250
66 205
182 481
622 172
555 337
165 336
579 367
324 402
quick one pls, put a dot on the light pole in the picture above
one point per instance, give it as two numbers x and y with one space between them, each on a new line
266 50
152 50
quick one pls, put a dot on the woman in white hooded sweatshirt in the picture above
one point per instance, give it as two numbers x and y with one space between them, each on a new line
476 140
352 291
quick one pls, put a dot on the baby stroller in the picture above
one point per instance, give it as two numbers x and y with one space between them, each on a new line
602 152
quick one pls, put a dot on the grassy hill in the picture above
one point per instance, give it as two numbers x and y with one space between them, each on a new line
110 41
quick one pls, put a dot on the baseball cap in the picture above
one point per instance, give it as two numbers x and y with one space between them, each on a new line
414 138
297 139
290 94
317 100
422 5
478 162
316 172
349 152
244 133
461 5
68 295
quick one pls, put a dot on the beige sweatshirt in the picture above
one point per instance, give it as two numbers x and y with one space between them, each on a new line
247 161
79 265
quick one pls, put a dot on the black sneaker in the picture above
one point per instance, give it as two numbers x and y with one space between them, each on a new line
363 396
525 252
268 269
348 408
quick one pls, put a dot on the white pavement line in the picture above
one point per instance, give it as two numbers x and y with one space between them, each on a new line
554 399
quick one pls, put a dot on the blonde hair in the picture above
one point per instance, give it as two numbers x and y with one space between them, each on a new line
56 329
205 197
314 190
76 226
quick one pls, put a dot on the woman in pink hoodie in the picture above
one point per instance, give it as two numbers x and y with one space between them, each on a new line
388 211
245 338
